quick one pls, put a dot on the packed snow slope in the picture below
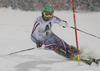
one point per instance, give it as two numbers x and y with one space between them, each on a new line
15 31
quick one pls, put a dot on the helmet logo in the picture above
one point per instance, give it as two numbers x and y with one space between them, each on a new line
50 9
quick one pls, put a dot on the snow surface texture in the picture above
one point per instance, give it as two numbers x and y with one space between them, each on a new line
15 30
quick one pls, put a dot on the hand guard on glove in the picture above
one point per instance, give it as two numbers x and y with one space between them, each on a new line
63 23
39 44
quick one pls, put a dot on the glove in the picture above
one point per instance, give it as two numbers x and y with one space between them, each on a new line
39 44
64 24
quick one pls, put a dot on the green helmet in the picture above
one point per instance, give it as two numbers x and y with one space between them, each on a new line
47 8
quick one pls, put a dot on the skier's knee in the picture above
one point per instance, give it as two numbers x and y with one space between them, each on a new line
72 49
52 47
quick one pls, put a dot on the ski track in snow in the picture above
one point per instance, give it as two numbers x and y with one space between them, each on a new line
15 30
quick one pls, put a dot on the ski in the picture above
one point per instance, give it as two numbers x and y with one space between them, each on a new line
89 62
96 61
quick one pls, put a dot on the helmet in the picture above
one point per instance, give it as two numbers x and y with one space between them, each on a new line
48 8
47 12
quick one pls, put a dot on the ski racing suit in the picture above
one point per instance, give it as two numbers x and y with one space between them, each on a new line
42 32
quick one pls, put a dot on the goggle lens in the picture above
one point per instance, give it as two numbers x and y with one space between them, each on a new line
48 14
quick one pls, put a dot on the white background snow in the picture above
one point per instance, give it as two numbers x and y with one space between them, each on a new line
15 31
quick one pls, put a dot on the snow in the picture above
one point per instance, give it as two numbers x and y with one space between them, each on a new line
15 30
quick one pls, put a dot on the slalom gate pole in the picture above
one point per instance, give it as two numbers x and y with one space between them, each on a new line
75 31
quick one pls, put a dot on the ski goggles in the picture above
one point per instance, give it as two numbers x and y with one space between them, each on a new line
48 14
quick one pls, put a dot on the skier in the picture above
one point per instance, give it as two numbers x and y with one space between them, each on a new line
42 34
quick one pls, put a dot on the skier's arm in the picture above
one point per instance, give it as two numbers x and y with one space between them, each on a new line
62 23
36 34
34 31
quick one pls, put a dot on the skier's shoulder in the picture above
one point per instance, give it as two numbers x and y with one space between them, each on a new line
38 21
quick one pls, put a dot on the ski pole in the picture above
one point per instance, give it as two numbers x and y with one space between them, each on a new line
86 32
20 51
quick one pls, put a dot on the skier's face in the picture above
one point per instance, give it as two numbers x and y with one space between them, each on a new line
47 15
47 18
